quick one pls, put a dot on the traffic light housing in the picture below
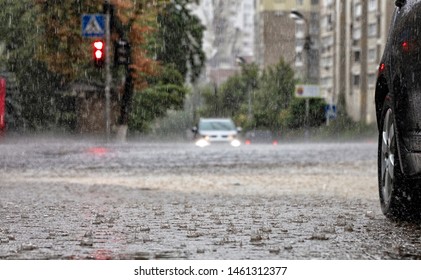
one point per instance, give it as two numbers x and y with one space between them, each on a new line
121 52
99 53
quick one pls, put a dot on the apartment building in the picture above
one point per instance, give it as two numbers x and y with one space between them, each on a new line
278 35
364 45
229 35
348 37
353 34
328 31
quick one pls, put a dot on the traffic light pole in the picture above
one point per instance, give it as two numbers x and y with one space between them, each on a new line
107 70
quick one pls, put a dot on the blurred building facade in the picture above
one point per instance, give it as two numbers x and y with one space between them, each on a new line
347 40
279 36
229 35
353 35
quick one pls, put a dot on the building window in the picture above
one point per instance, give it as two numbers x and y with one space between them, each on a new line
326 62
372 5
356 80
356 35
358 11
300 30
300 2
299 59
327 3
299 43
327 22
357 56
372 30
372 55
371 80
314 2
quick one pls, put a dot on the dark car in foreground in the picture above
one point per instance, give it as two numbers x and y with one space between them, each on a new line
398 109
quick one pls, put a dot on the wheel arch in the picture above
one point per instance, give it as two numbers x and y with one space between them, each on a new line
382 90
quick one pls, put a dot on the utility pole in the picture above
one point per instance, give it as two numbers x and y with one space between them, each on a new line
243 63
107 69
364 50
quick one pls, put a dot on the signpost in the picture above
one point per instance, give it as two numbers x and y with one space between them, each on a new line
330 112
94 26
307 91
2 104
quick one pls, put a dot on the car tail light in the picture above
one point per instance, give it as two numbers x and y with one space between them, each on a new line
405 46
382 68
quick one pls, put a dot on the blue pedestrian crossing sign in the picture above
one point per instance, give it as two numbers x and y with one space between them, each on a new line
93 25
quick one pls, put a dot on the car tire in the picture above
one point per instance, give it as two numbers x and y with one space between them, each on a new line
395 199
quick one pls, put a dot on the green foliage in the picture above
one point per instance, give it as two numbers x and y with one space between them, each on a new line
296 113
180 39
63 49
166 92
231 99
45 52
277 85
33 97
209 95
273 105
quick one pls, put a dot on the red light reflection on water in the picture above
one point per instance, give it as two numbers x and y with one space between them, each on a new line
102 255
98 151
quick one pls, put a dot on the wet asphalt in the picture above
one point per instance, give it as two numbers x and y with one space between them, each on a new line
85 199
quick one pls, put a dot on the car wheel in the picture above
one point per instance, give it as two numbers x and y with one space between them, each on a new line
392 183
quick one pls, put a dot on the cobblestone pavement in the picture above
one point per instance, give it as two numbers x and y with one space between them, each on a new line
68 199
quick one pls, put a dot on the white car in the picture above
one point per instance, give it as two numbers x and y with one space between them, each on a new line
216 130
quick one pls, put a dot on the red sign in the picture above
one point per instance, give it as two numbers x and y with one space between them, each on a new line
2 103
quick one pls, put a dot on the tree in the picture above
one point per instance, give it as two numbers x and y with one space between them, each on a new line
231 99
270 94
180 38
166 92
274 96
31 93
46 61
66 52
295 117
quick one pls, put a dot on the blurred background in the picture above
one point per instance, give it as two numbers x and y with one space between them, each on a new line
290 67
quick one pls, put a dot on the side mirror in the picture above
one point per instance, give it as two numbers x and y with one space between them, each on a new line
194 129
400 3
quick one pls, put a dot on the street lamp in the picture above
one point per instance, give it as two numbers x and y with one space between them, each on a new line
299 18
240 60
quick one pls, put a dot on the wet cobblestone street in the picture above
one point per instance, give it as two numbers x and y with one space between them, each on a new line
86 200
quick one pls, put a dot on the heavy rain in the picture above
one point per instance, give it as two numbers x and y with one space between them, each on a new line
243 129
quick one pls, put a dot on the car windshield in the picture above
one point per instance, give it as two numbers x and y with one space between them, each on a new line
217 125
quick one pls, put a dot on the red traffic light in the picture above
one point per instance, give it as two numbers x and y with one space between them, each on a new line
99 51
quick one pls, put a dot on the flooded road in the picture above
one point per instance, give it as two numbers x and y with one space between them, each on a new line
71 199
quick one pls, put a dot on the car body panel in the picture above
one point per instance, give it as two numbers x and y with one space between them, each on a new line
400 80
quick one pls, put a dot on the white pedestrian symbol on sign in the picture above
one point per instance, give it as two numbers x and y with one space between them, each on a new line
93 25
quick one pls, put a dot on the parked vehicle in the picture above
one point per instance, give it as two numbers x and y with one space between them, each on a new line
398 109
260 137
216 130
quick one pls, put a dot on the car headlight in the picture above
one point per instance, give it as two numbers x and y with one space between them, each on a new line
202 142
235 143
